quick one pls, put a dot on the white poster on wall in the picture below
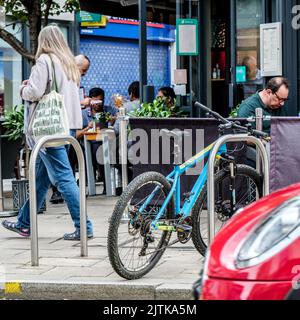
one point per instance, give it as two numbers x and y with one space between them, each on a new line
271 49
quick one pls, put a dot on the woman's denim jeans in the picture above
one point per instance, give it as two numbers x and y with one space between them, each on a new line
53 167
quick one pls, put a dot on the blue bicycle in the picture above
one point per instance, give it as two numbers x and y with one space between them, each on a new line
152 208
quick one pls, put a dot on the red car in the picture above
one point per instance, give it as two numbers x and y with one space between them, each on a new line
256 256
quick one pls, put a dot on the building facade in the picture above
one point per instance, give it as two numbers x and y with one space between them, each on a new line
14 68
114 54
227 67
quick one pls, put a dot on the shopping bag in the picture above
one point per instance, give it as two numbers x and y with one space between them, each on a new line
50 117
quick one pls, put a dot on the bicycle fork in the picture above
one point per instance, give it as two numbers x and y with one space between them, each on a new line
232 182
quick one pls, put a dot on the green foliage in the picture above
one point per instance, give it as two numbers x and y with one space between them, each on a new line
159 108
101 117
19 11
234 112
14 122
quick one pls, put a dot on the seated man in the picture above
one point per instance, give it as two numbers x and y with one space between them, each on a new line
271 100
98 115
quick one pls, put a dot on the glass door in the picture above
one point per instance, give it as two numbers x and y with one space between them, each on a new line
220 55
249 16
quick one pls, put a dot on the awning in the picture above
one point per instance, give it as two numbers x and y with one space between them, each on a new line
158 11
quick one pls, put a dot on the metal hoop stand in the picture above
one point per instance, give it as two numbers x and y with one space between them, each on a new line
210 180
32 192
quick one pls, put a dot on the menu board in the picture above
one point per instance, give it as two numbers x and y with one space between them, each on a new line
271 49
187 37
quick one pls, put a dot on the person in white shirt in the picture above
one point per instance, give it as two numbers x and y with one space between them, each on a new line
53 165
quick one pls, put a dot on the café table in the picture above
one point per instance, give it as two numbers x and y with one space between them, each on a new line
103 135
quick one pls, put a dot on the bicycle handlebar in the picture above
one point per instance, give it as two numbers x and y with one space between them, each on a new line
215 114
230 124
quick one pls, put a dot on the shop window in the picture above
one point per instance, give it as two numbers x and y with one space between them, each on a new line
249 17
220 46
10 73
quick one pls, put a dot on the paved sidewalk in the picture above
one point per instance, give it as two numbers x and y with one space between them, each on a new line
63 274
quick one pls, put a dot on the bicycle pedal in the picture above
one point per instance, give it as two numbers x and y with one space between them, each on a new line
165 227
183 228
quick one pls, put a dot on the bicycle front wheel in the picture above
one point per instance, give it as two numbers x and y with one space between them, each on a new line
133 247
248 187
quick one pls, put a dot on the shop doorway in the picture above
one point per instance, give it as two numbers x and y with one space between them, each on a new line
220 56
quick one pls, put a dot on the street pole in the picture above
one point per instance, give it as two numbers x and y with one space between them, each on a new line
143 46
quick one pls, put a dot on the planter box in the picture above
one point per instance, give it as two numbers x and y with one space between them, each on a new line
20 191
9 153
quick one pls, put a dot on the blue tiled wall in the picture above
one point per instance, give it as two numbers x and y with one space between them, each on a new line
115 64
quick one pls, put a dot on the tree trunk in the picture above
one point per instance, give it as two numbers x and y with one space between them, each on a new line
35 23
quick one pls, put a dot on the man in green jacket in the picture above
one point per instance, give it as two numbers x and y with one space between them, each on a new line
271 100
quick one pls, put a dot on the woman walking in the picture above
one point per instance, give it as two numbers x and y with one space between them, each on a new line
53 164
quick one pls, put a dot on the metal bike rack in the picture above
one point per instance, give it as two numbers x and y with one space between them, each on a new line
210 180
32 198
259 127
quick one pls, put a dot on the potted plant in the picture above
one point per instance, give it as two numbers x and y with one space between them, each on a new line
12 140
100 121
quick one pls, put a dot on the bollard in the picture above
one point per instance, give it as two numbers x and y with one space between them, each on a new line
32 190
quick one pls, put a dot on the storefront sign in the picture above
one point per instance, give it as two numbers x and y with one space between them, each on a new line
271 49
84 16
98 24
187 37
129 29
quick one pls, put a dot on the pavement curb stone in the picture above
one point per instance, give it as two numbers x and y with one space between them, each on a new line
53 290
64 275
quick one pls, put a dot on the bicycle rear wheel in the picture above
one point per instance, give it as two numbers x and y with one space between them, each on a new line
133 248
248 187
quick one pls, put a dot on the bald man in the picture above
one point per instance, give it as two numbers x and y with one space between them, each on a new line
271 100
83 63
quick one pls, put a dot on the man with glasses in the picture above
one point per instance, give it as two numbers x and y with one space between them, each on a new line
271 100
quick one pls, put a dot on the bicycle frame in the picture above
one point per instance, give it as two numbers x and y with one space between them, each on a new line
174 178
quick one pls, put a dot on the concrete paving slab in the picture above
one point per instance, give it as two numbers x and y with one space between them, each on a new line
63 274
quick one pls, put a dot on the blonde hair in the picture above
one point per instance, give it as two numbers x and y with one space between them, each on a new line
52 41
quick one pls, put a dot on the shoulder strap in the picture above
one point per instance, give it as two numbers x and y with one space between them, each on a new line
53 83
